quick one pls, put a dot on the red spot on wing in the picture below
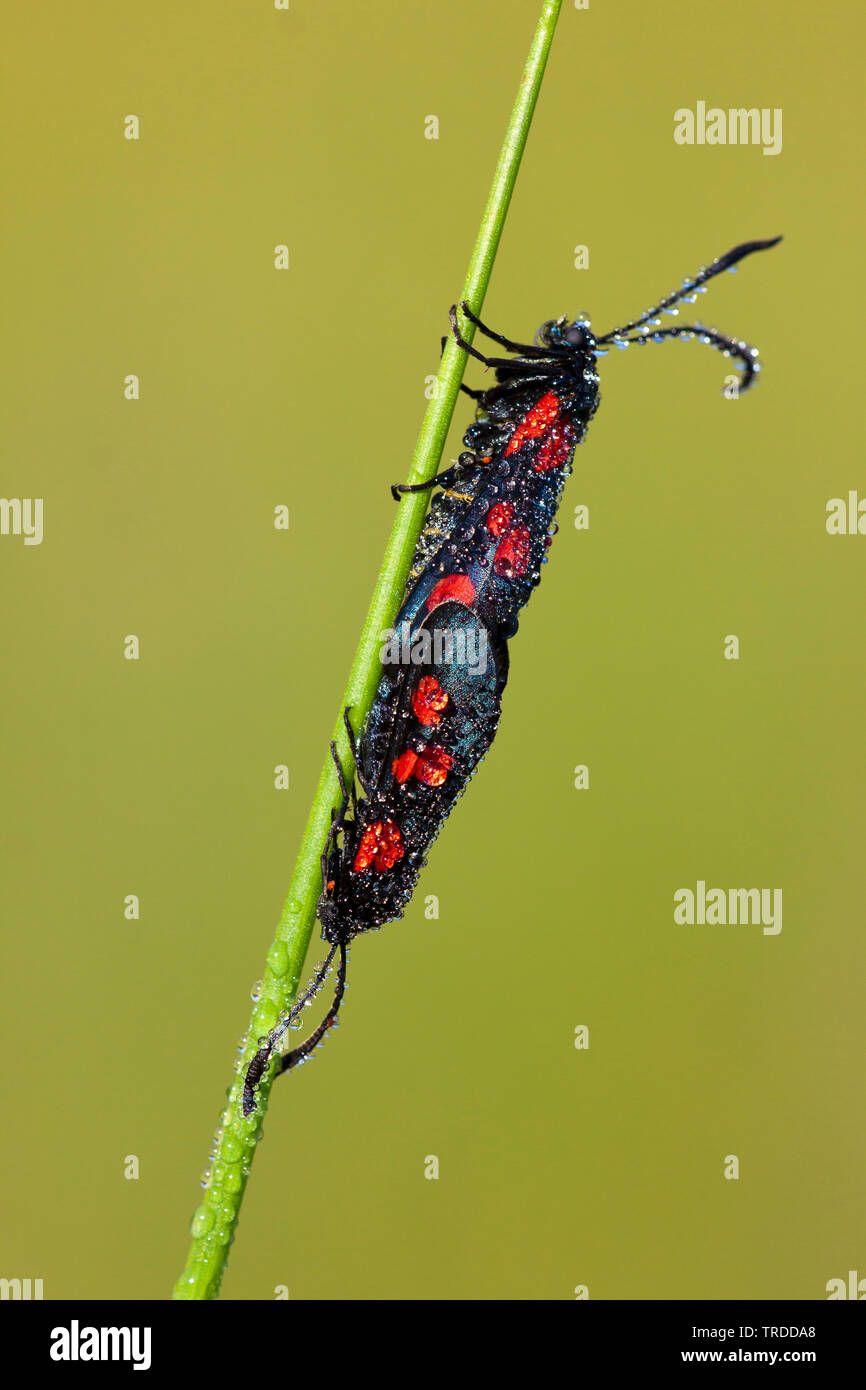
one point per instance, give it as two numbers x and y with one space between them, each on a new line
513 552
381 845
534 424
555 448
433 765
404 766
499 517
428 701
458 587
430 766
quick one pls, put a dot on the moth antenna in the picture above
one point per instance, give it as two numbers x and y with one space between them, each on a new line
257 1066
731 347
298 1054
738 253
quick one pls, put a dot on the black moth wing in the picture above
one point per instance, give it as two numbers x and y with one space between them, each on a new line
500 541
445 513
457 649
429 727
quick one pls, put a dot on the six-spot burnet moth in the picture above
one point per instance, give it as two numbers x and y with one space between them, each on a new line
477 561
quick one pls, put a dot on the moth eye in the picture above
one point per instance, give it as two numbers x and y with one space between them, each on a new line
575 337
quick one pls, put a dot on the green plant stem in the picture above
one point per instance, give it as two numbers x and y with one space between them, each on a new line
214 1222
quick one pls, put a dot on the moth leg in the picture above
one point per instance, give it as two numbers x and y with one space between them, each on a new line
353 744
467 390
350 733
337 823
333 831
347 793
541 362
467 460
461 341
341 777
526 349
338 817
443 479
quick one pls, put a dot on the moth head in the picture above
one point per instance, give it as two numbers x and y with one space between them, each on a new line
560 335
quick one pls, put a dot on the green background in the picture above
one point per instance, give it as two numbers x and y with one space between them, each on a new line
707 517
